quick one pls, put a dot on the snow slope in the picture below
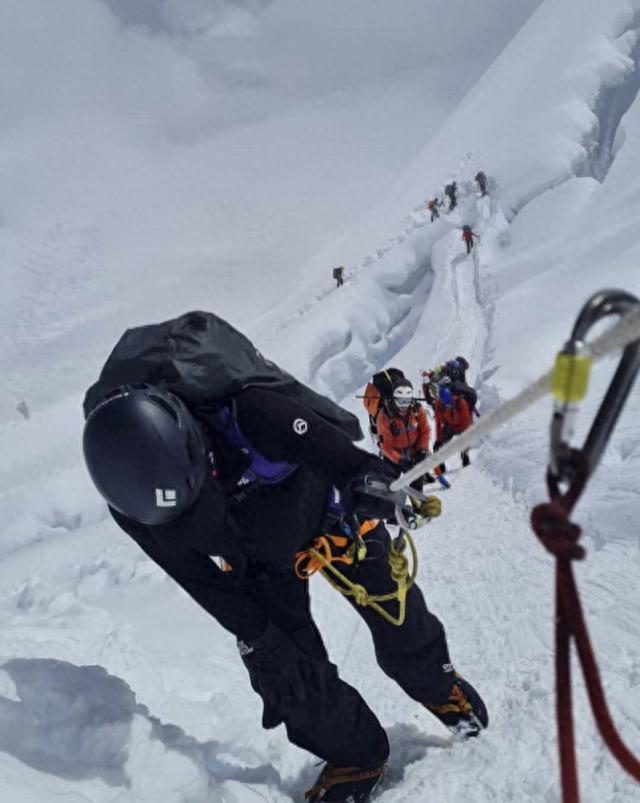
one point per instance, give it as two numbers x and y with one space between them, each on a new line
114 686
171 157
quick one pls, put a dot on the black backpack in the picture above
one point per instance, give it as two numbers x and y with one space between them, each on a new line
466 392
203 359
383 382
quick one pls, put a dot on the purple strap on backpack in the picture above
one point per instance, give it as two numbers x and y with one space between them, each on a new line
261 470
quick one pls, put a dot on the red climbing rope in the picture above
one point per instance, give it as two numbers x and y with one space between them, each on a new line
559 536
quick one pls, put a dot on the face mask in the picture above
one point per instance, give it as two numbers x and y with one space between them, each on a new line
402 404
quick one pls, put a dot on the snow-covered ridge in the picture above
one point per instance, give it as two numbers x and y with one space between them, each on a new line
548 110
135 689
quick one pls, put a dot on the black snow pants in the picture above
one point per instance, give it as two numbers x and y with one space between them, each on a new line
335 723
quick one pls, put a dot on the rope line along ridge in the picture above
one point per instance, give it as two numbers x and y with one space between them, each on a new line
621 334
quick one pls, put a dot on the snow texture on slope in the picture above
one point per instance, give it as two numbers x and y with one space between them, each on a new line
114 686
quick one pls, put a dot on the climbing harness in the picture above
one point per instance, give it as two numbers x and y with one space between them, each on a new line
319 559
351 549
567 475
330 548
623 333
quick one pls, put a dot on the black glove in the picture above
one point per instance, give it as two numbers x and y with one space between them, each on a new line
419 456
280 672
356 501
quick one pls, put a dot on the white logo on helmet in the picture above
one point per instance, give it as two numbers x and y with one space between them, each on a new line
166 497
300 426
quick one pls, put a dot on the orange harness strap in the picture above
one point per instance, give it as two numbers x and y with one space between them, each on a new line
334 549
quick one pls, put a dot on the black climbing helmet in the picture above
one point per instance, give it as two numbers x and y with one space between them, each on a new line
145 453
454 370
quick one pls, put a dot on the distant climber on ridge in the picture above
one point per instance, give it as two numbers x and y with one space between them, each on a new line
338 275
432 206
481 180
467 236
452 418
451 191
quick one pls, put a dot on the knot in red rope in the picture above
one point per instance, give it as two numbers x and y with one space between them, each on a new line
557 534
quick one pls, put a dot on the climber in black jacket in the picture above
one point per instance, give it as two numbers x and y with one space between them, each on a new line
253 479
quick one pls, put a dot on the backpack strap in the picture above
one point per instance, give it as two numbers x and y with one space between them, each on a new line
261 470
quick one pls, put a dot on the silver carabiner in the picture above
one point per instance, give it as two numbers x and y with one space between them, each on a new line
570 380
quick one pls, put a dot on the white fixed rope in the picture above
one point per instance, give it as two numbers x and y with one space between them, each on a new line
620 335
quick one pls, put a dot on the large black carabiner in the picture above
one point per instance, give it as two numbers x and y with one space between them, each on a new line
569 385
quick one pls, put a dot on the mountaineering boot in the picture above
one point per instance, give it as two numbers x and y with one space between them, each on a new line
464 712
345 784
429 478
465 458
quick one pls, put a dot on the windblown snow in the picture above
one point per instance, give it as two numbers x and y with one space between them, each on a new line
158 156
